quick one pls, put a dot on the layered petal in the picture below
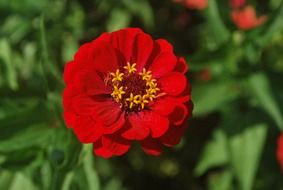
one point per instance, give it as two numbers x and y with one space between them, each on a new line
173 135
173 83
151 146
104 58
135 129
111 145
181 66
109 113
179 114
88 130
70 118
124 41
92 83
163 64
142 50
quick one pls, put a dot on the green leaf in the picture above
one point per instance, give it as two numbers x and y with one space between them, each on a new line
212 97
215 153
16 27
274 27
218 33
6 57
118 19
48 68
91 175
142 9
23 182
19 119
221 180
260 89
6 178
245 149
29 137
68 181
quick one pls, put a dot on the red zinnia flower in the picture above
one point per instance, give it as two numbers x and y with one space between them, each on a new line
124 86
280 151
246 18
237 3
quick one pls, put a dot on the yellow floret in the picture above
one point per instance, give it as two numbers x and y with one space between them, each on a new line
130 68
117 93
117 76
146 75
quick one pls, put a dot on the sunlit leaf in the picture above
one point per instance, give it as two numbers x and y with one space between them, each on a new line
215 153
261 90
118 19
6 57
246 149
221 180
218 33
212 97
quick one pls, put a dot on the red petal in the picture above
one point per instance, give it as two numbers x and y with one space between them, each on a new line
69 92
136 131
143 49
68 72
157 124
70 118
124 41
111 145
81 58
179 114
183 97
173 135
83 105
104 58
117 125
163 106
181 66
107 111
92 83
110 114
162 64
173 83
87 130
160 46
151 146
164 46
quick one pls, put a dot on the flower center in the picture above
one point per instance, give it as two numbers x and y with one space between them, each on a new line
132 90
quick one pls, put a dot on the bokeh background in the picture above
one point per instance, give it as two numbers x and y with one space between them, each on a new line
236 74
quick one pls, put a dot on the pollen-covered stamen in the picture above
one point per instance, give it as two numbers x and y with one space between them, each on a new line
146 75
134 91
130 68
117 76
117 93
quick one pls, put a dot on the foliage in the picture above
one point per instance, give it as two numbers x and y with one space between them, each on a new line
237 94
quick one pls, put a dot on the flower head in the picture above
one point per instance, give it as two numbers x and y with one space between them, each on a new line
280 151
123 87
246 18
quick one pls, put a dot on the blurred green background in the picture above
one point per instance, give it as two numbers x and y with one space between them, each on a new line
237 93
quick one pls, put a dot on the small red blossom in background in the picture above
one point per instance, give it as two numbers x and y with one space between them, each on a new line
280 151
194 4
204 75
123 87
237 3
246 18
